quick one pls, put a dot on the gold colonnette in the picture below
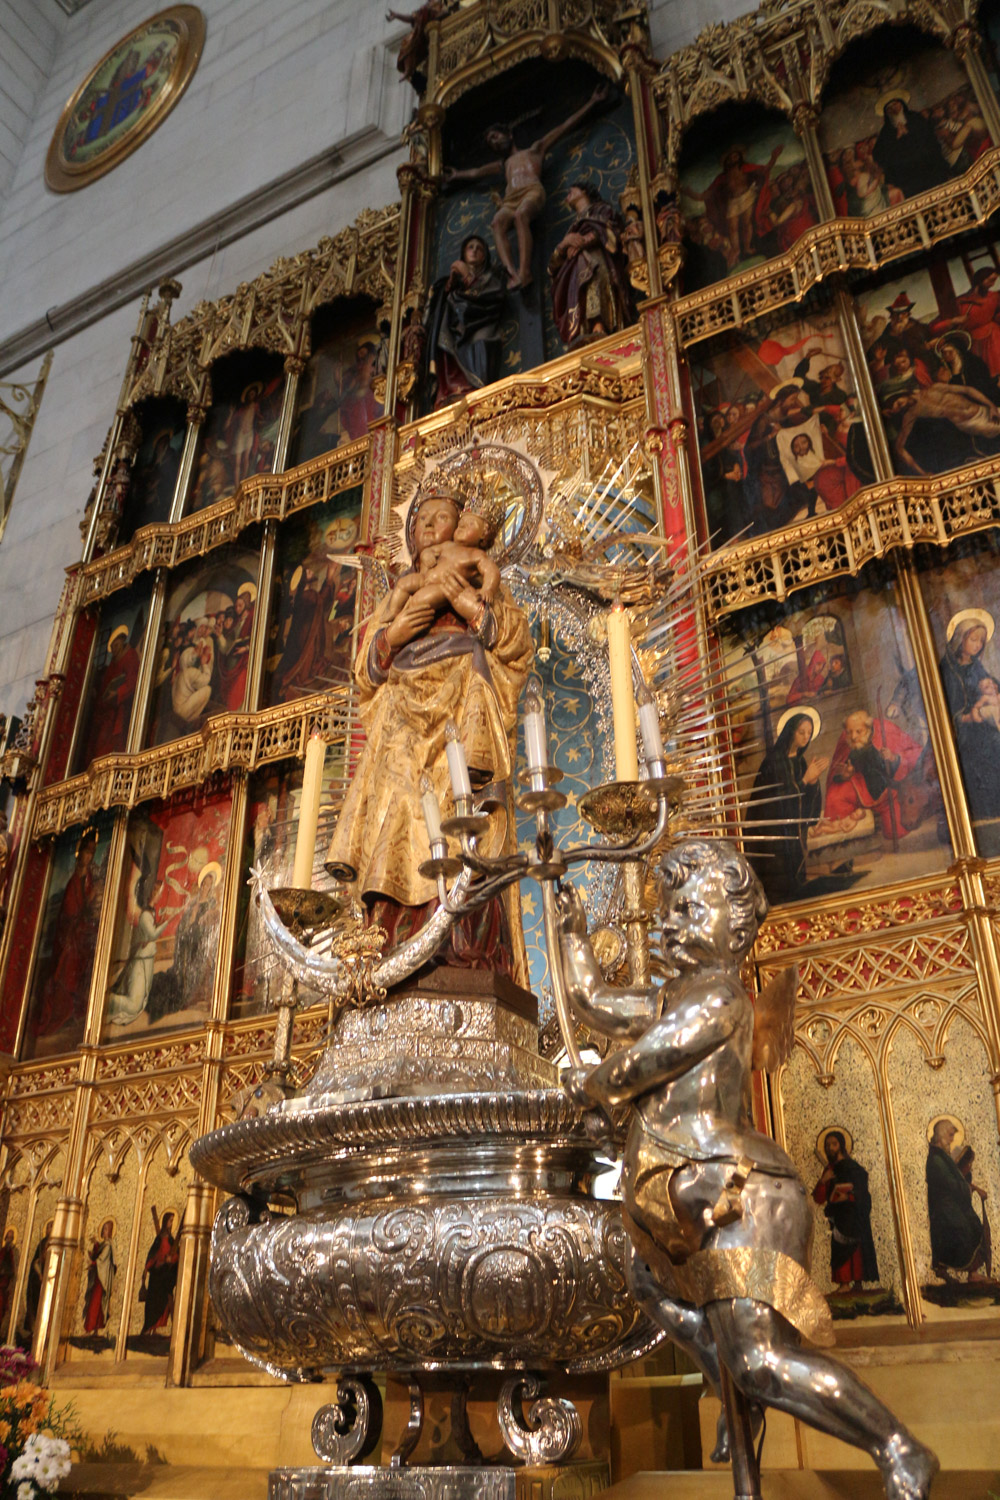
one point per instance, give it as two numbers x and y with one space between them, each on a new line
227 742
261 497
61 174
897 514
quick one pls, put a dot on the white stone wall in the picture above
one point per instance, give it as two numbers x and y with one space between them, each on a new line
26 55
277 86
675 23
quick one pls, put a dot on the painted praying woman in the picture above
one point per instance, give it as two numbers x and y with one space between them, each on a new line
786 800
973 695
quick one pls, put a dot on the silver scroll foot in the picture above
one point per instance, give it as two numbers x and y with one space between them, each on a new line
553 1428
350 1427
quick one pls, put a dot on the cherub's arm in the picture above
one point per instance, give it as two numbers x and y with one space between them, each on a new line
610 1011
668 1049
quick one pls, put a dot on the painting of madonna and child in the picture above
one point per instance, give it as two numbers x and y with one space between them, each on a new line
898 128
963 599
167 931
205 644
841 788
779 428
745 193
932 341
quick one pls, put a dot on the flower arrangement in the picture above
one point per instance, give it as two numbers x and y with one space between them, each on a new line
34 1446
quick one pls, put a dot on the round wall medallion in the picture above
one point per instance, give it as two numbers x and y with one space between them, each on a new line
125 97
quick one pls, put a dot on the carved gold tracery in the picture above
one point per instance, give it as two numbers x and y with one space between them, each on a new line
780 55
272 312
226 743
261 497
842 245
899 514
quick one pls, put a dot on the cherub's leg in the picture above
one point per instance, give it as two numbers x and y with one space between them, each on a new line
502 220
770 1364
688 1328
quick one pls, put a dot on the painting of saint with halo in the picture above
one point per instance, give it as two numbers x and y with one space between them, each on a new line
964 606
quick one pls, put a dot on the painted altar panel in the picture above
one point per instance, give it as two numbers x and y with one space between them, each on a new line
41 1209
932 340
167 933
833 1133
204 643
32 1182
96 1304
64 958
502 331
105 716
899 127
239 433
336 403
311 640
938 1123
834 758
160 1219
269 840
745 193
157 464
963 599
780 433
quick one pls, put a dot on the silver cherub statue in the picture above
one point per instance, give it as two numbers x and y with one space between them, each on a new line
719 1221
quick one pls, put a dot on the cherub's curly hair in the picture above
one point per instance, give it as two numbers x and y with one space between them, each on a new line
744 892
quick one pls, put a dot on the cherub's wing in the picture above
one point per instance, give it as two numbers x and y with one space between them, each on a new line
774 1021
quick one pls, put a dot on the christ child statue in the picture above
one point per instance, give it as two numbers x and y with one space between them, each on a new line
456 545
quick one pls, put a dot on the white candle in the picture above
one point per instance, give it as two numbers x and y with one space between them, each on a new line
461 786
622 699
649 725
432 812
535 746
312 786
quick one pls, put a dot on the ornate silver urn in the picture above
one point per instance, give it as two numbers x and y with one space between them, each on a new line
431 1204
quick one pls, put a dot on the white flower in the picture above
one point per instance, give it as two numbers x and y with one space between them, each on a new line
26 1490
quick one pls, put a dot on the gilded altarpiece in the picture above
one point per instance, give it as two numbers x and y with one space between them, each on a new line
765 451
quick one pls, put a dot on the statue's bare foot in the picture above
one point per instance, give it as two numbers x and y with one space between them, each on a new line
908 1468
721 1453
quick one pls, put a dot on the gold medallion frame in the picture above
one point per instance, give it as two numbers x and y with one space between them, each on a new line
61 175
